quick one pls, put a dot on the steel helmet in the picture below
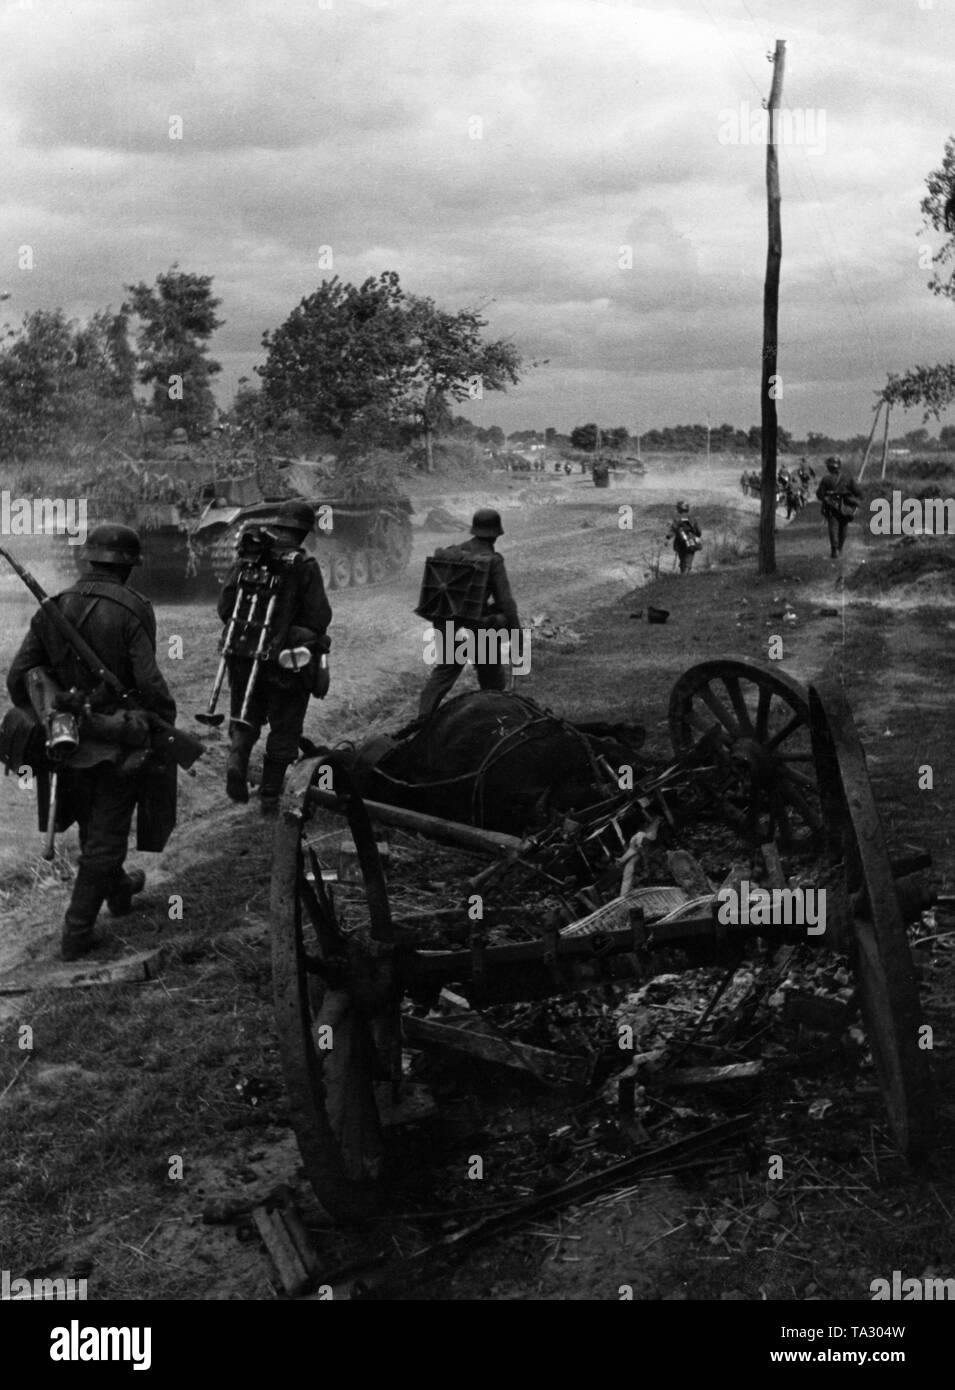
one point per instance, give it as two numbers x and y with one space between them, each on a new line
833 465
683 506
179 436
486 523
112 544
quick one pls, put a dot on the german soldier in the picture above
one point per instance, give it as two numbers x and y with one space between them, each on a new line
805 473
291 668
685 533
111 770
839 495
500 611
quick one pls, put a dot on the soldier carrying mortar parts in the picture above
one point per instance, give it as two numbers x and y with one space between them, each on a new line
277 614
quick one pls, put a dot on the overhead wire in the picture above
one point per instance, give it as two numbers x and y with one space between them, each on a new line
840 288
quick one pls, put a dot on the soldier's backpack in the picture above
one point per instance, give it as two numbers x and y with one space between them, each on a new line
688 537
454 586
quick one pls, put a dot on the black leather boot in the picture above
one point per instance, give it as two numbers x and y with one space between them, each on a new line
270 788
242 742
85 903
120 899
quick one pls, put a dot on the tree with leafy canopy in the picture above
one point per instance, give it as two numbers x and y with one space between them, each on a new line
64 384
932 387
341 355
177 317
451 361
616 438
358 362
584 437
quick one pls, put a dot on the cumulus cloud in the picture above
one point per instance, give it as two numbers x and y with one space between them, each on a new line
564 162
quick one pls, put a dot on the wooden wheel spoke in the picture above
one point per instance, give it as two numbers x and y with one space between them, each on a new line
327 934
786 731
717 707
317 910
762 712
697 721
318 882
739 704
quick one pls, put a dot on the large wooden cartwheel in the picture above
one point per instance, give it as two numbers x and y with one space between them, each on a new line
885 975
335 1002
748 728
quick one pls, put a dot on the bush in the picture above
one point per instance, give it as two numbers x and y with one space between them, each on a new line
723 548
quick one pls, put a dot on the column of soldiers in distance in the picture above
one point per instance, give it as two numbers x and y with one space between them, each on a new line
838 494
791 487
113 770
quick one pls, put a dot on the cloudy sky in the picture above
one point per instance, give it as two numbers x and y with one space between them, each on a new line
513 153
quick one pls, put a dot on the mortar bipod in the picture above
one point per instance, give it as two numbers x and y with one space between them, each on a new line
250 622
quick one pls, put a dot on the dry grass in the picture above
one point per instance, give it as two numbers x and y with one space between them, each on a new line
722 548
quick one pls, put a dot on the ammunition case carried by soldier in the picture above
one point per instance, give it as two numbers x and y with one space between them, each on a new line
454 586
845 505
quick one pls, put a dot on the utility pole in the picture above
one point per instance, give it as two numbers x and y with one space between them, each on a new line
885 439
875 420
768 379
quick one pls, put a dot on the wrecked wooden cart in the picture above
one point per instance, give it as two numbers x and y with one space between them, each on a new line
354 979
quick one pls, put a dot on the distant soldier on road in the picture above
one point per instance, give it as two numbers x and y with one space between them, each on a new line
686 534
281 692
795 497
839 495
500 611
805 473
110 772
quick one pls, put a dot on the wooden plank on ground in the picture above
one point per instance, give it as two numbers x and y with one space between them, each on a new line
129 970
710 1076
467 1034
286 1258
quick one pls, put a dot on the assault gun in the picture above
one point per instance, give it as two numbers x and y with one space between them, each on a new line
165 737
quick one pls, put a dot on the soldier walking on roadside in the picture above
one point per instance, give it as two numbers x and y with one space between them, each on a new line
110 772
500 611
282 688
685 534
839 495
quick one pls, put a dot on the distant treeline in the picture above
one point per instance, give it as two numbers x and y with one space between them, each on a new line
723 439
